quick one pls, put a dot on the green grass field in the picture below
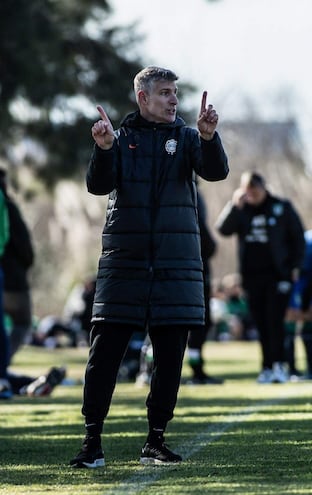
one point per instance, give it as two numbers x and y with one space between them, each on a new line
236 438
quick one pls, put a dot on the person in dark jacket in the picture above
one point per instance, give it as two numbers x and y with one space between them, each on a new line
198 337
150 272
5 387
18 258
271 249
299 315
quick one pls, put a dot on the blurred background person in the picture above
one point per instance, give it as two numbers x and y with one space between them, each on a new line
271 249
36 386
230 314
77 310
18 258
77 315
5 388
198 337
241 324
299 315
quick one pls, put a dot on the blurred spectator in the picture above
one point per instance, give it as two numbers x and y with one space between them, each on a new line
78 307
299 314
73 327
271 250
41 386
5 388
238 314
197 337
18 258
77 319
219 312
51 331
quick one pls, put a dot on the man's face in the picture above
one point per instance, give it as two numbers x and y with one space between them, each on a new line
160 104
254 195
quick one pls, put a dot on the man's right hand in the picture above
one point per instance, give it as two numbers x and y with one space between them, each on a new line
239 198
102 131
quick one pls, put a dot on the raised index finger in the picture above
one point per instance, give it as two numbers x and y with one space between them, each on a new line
203 102
102 112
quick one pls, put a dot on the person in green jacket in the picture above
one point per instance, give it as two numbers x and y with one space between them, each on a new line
5 388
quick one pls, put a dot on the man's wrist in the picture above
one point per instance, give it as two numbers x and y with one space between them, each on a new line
207 136
104 149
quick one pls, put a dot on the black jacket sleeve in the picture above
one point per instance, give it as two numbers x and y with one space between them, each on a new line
20 243
102 171
214 163
229 220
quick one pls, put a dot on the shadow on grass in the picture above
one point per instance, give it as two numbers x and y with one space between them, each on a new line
252 454
247 449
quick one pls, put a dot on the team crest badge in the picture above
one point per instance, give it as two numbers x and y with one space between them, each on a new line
171 146
278 209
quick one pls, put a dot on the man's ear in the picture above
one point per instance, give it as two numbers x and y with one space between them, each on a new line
142 99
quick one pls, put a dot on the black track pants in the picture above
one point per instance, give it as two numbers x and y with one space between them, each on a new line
109 342
268 306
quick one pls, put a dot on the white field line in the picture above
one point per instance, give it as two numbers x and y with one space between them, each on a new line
145 475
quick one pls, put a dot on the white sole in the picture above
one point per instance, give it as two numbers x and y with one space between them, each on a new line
156 462
96 464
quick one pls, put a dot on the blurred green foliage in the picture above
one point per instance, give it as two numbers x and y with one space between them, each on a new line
57 60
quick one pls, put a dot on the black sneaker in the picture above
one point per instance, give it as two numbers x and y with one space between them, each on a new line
90 456
160 454
204 380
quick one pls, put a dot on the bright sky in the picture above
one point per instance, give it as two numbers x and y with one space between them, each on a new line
257 48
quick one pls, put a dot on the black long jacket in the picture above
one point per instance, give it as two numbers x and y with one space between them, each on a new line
284 228
18 256
150 270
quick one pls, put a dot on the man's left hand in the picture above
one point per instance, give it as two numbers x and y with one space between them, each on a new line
207 119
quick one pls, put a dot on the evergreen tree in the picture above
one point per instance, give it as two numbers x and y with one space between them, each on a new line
57 60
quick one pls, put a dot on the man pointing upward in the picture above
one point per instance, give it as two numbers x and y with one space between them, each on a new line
150 273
